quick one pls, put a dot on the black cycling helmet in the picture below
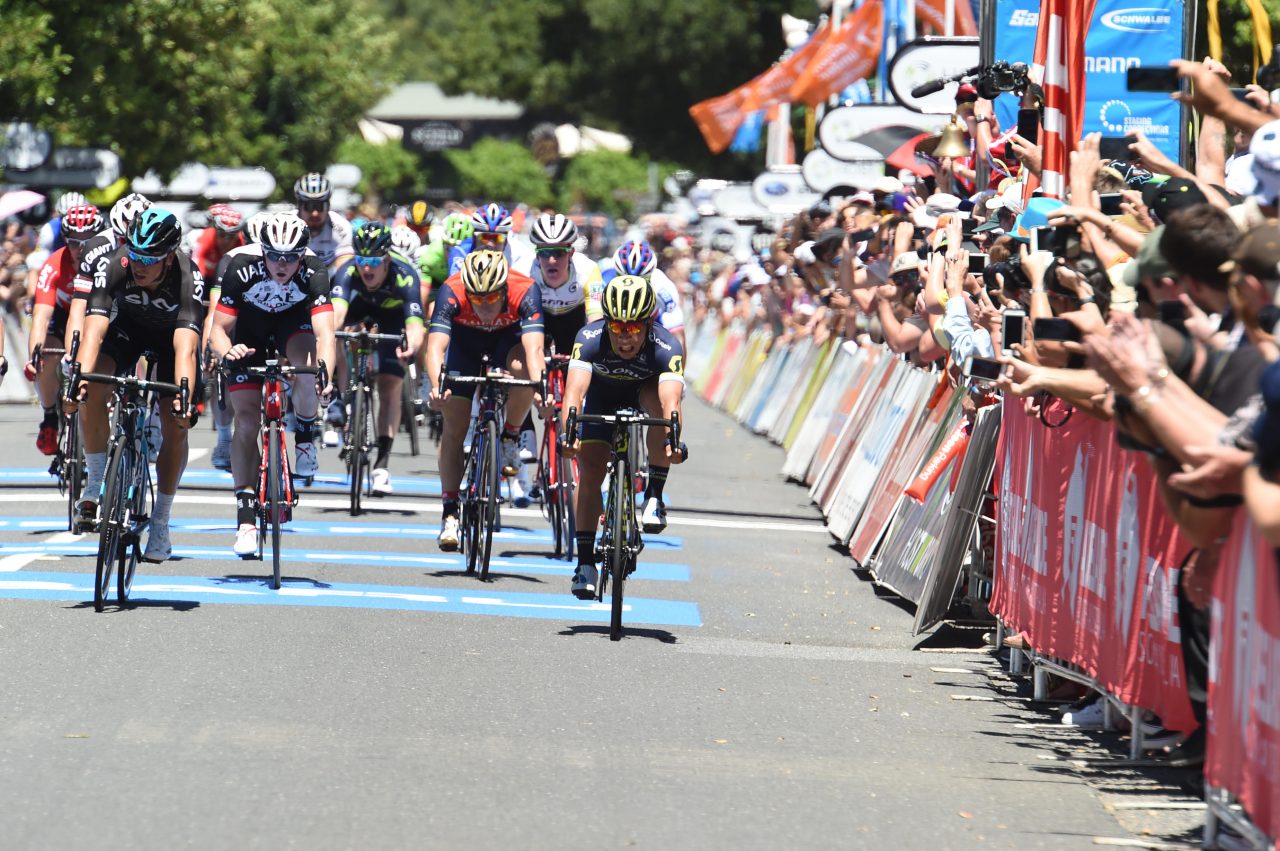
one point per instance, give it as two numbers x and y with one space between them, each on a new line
372 239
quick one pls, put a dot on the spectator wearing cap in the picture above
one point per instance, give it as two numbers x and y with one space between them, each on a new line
1198 242
1263 203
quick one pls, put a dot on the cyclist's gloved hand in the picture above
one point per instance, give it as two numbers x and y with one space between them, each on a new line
29 370
569 445
183 419
437 396
678 455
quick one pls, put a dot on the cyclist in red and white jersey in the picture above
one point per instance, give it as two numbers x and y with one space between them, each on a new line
330 232
225 232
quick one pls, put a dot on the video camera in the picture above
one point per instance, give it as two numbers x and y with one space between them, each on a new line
990 81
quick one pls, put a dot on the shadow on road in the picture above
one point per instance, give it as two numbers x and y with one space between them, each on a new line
247 579
175 605
627 632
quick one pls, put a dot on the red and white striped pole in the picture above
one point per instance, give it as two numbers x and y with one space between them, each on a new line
1059 58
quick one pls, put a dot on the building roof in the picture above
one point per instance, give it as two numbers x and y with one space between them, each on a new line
426 101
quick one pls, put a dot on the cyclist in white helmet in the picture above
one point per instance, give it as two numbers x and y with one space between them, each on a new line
330 232
636 257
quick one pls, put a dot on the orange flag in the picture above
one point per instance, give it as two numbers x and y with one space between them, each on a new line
934 13
848 55
718 118
772 86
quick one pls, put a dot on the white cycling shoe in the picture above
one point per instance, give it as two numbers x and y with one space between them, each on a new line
159 547
306 462
381 481
448 540
510 456
585 578
246 540
653 518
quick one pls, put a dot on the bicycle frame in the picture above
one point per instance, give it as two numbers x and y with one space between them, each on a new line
557 476
359 436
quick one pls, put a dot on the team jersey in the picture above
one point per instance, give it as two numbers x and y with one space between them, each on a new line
247 286
94 250
394 304
174 304
571 295
208 255
50 238
56 283
524 306
333 240
433 261
670 313
661 355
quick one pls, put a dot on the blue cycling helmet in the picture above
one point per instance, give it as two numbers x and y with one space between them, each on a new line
155 232
491 218
635 258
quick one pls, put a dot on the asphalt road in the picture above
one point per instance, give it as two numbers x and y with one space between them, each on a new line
762 698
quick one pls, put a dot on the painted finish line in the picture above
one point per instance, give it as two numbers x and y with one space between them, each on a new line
651 571
74 587
312 528
323 483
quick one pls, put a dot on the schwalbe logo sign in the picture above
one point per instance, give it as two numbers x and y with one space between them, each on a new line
1140 20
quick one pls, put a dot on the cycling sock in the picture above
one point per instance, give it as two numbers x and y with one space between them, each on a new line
384 449
50 417
450 505
657 481
224 433
305 432
527 425
586 547
510 432
160 513
246 508
95 466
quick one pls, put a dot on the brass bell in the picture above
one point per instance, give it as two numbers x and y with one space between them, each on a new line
952 143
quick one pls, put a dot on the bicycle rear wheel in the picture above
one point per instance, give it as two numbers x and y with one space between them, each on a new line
546 478
490 480
359 454
407 415
623 508
73 471
139 490
566 493
111 522
275 495
468 520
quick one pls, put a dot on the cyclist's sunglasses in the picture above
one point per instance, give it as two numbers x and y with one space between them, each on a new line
77 244
367 260
554 250
627 327
144 259
313 206
488 298
283 256
491 238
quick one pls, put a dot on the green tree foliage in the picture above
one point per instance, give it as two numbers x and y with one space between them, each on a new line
386 167
1237 35
629 65
256 82
603 181
501 171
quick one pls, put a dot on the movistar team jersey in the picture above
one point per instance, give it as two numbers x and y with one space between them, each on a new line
395 303
661 355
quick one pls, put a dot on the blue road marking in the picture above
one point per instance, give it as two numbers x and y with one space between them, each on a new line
654 571
321 529
323 483
75 587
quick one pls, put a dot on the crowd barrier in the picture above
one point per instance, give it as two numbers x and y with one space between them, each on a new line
1056 531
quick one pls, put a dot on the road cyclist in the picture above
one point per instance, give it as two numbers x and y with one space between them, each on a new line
330 232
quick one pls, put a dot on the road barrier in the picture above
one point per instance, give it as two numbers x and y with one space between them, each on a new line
1056 531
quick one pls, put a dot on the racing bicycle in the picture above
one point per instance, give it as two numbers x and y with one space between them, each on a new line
68 462
360 434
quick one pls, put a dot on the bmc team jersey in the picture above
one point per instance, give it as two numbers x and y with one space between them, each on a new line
524 307
393 305
661 355
174 304
248 287
670 314
333 240
56 284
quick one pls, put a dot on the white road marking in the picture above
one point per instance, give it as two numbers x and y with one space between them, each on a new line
9 564
196 454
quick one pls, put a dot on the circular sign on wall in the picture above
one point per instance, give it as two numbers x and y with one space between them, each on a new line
782 190
928 59
823 171
842 125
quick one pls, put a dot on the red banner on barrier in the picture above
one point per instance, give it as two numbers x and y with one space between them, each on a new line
1087 559
1244 711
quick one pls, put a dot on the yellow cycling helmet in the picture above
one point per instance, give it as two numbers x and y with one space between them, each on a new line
484 272
420 215
628 298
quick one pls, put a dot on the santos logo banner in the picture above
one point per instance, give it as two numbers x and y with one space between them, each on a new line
1111 48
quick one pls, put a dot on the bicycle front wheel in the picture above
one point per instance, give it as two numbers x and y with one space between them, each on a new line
619 534
490 480
275 495
407 415
110 522
139 491
74 470
359 453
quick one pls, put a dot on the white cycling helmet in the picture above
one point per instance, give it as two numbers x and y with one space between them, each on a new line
554 229
125 210
285 233
253 226
405 240
69 200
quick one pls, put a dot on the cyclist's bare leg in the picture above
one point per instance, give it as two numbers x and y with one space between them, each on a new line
245 451
48 383
655 436
457 414
95 426
173 449
389 387
301 350
592 459
520 399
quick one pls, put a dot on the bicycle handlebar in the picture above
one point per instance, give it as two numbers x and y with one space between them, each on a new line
129 382
41 351
628 417
376 338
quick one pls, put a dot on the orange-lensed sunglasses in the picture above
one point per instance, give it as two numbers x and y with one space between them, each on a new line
488 298
627 327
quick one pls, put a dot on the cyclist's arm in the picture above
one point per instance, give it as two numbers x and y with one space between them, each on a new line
42 310
214 295
340 310
224 325
414 329
670 394
594 289
322 325
437 345
185 342
577 380
532 332
95 328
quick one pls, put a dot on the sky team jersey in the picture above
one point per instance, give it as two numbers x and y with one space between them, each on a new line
56 284
394 304
524 306
174 304
670 313
333 240
661 355
94 250
246 285
556 301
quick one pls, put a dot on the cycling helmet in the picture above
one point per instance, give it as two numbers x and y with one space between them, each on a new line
69 200
491 218
82 221
457 229
125 210
553 229
628 298
312 186
285 233
405 240
253 225
226 219
484 272
372 239
154 233
419 215
635 258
